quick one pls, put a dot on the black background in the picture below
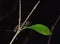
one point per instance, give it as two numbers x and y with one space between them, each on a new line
46 13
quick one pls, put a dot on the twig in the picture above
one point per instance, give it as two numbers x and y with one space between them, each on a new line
53 29
30 33
20 13
20 28
30 14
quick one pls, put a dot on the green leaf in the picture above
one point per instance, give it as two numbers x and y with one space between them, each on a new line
40 28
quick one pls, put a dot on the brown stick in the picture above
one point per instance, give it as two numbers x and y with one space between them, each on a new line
19 28
30 14
53 29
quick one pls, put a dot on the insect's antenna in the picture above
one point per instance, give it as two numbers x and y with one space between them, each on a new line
20 28
53 29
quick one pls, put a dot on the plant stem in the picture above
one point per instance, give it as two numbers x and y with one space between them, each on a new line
53 29
30 14
30 33
15 36
19 25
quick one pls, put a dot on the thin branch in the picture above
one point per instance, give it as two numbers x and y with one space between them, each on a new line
19 13
53 29
30 14
15 36
20 28
30 33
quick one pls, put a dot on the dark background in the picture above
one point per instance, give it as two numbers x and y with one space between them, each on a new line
46 13
9 16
